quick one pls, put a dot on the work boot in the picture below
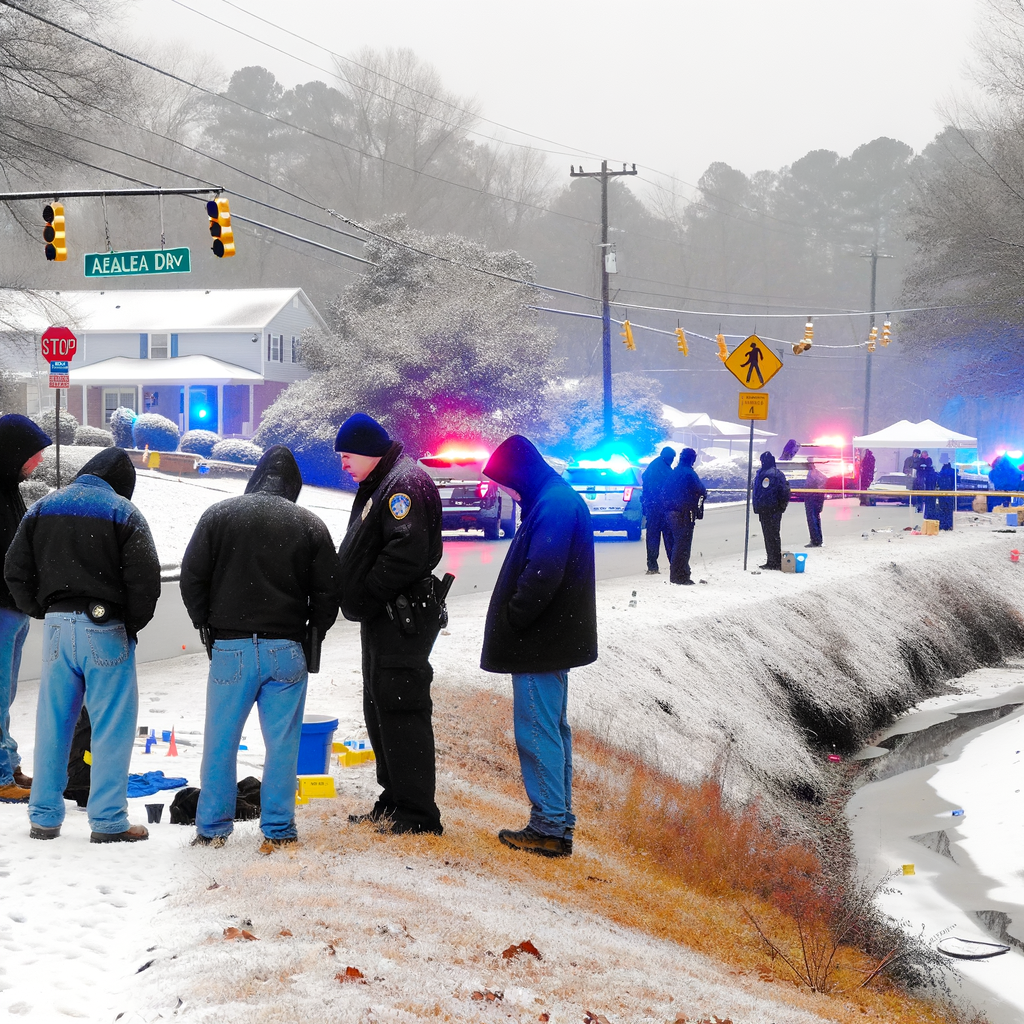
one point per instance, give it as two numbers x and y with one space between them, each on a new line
133 834
530 841
402 828
653 572
214 842
21 779
362 819
12 793
268 846
44 832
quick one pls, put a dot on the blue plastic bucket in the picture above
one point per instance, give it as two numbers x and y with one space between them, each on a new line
315 744
801 560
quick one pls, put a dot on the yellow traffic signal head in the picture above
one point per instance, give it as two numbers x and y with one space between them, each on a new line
723 352
681 341
53 233
220 227
886 332
627 336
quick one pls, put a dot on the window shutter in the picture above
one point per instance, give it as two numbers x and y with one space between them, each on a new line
143 346
174 346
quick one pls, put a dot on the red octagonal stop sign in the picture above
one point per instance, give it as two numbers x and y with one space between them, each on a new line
58 344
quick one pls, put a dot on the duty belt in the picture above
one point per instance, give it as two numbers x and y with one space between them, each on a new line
98 610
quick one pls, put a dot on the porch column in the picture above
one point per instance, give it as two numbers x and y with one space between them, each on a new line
188 407
252 408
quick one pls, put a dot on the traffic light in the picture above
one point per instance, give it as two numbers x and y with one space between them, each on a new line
808 338
886 333
723 352
681 341
627 336
220 227
53 233
872 336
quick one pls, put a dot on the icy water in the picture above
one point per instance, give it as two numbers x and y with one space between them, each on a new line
944 795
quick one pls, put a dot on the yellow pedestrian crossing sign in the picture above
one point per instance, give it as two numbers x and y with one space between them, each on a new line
753 406
753 363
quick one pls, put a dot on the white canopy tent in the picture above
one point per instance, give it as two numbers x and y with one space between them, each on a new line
926 434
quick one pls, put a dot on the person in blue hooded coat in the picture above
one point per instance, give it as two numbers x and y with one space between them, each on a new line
1004 476
542 622
686 506
770 499
656 483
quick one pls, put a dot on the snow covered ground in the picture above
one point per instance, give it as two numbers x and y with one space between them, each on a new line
732 673
981 863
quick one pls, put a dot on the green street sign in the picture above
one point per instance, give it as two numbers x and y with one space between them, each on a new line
144 261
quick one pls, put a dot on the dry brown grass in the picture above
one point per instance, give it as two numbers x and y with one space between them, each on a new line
651 854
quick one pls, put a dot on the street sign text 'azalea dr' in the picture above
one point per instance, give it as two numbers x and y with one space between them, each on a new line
753 363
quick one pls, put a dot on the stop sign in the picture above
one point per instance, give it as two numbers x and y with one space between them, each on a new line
58 344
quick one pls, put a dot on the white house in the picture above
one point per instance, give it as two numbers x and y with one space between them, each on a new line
210 358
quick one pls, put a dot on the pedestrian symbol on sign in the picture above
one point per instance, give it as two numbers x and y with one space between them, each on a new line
753 363
753 358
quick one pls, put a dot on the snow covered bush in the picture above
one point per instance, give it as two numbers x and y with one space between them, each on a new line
33 490
48 423
199 442
72 459
94 437
243 452
572 419
156 432
122 420
433 350
724 474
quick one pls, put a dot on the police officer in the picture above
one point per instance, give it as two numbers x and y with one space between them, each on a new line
686 496
386 558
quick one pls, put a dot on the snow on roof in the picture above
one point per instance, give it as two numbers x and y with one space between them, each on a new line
702 424
143 310
926 434
182 370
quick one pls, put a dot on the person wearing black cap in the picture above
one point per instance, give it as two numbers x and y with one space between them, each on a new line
21 450
770 499
84 559
685 501
542 622
259 580
653 497
387 558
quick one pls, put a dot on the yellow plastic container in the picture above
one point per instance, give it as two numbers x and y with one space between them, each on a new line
314 787
930 528
908 869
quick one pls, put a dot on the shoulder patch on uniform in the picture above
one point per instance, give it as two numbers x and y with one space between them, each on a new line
400 505
366 508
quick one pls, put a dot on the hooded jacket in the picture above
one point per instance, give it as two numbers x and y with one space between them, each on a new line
771 488
393 538
87 541
259 563
20 439
685 489
656 481
543 611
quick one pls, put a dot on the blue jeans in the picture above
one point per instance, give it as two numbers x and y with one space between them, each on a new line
544 742
272 675
13 630
83 660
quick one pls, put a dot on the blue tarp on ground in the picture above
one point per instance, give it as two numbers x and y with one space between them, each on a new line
152 782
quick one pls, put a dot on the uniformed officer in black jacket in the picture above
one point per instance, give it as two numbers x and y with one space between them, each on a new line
387 558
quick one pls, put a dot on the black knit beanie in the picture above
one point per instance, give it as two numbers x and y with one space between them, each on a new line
362 435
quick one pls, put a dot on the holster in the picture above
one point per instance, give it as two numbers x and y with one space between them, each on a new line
311 649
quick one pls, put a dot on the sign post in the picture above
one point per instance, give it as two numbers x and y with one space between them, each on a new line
760 364
58 346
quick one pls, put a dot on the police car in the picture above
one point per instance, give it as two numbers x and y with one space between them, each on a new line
468 500
611 488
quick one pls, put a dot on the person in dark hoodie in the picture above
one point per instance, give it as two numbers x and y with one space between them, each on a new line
945 481
814 504
84 559
686 506
21 450
770 498
654 496
259 580
387 557
542 622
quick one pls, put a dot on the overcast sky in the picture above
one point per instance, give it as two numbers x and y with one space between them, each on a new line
669 84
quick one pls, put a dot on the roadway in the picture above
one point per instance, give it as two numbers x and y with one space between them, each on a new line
475 561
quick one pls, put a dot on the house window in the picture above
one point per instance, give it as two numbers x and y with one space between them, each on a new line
274 347
296 349
114 398
158 348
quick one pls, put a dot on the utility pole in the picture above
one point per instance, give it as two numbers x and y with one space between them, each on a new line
874 256
606 316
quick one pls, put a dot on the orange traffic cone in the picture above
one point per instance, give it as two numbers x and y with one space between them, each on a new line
172 750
